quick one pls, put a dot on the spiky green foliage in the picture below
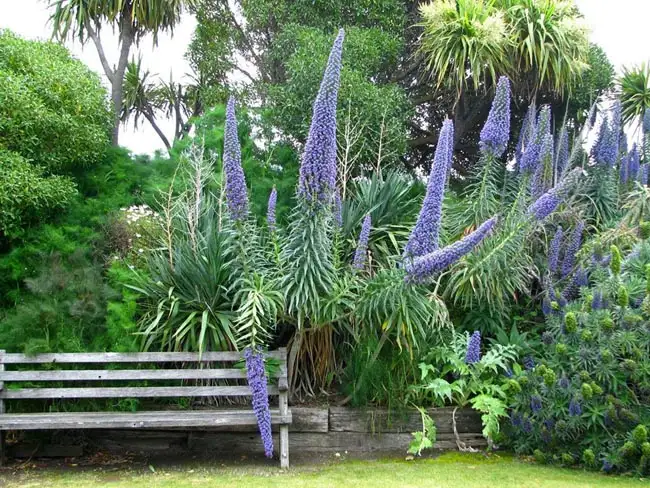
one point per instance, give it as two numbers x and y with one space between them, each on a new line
408 315
634 85
461 35
393 201
309 266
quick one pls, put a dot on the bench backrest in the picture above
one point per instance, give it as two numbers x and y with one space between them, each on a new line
162 366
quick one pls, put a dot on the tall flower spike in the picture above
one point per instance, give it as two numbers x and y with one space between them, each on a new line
270 211
643 174
617 123
426 267
236 194
572 249
532 156
496 131
338 209
562 156
361 254
473 354
605 150
526 135
633 163
425 234
256 375
554 250
543 177
318 166
548 202
646 120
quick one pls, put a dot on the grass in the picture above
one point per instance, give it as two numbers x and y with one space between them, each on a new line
448 470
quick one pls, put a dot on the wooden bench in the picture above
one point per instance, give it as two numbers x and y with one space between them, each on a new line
166 369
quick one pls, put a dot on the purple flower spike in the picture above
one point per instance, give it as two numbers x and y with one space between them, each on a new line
633 163
548 202
544 205
257 382
562 157
236 194
318 167
646 120
425 234
554 250
543 177
575 409
533 155
338 209
572 249
605 150
535 403
360 255
496 131
424 267
526 135
473 354
270 212
643 174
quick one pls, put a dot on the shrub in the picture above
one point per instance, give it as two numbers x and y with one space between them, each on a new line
597 409
53 109
27 195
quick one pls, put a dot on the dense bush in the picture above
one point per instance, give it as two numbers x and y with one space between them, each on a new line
53 109
26 195
585 397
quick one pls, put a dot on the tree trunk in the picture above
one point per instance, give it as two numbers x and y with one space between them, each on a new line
160 133
127 37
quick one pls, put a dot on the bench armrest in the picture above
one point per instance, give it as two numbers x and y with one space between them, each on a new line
283 385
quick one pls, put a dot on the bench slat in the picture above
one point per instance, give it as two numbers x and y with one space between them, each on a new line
128 420
131 392
134 357
125 374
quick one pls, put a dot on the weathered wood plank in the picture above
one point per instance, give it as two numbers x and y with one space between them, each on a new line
344 419
352 442
133 357
308 419
131 392
137 420
124 374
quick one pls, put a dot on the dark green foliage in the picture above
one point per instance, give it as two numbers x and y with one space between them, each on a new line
26 195
64 311
53 109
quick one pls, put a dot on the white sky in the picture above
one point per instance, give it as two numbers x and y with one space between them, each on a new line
620 27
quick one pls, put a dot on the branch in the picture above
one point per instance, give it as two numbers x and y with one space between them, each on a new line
149 116
248 44
110 74
245 73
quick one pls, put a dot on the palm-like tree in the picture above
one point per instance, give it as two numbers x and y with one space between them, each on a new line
464 41
140 98
541 43
635 91
131 19
551 45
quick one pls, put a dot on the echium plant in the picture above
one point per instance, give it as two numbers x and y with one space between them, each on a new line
257 380
236 193
482 197
585 399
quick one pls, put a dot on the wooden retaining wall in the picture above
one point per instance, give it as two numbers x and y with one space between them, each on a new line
314 429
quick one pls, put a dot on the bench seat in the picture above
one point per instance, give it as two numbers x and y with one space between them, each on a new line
135 420
67 377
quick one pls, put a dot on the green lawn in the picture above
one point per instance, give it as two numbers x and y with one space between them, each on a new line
448 470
